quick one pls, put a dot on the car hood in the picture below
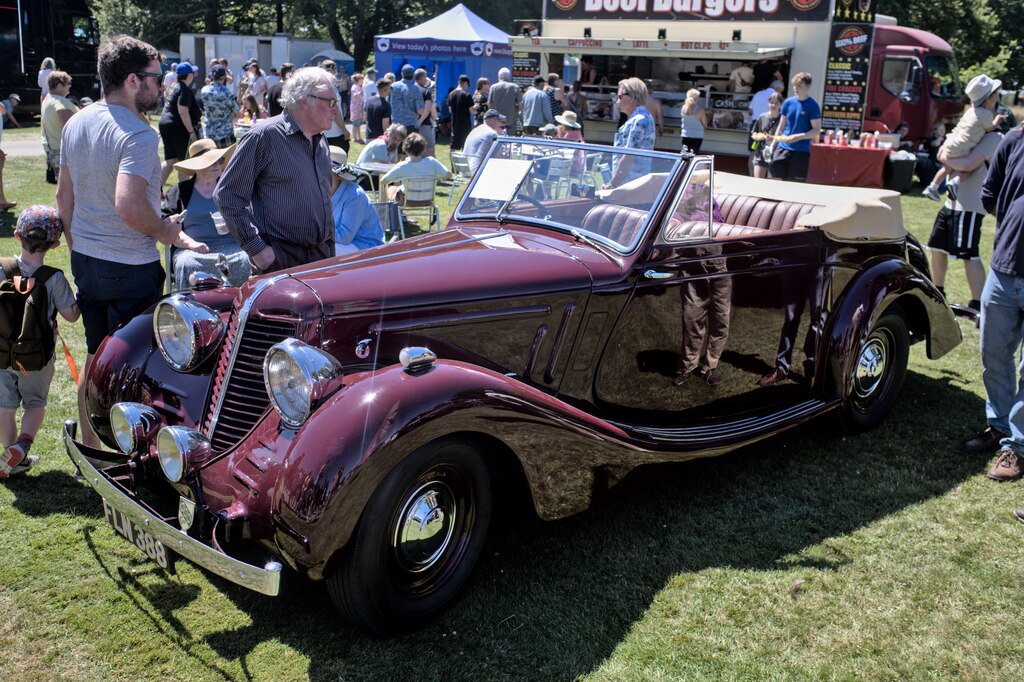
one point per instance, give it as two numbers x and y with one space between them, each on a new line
467 263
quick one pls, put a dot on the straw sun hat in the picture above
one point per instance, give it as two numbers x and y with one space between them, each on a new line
568 118
201 155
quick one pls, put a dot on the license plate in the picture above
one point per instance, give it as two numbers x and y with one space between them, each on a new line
136 535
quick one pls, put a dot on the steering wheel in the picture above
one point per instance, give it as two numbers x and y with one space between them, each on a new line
542 210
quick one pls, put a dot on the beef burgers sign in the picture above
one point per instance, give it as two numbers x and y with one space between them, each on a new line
682 10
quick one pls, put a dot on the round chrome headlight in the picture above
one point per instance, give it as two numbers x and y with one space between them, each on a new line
133 425
186 331
299 377
179 447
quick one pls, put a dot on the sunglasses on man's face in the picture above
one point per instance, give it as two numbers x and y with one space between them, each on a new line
143 75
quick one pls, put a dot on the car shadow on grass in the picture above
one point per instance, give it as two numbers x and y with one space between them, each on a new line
54 492
554 600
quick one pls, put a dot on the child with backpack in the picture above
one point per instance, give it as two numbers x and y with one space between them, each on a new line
31 295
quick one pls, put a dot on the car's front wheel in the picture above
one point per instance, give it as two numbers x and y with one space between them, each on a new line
877 373
418 540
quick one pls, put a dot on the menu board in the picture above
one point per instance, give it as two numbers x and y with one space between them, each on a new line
525 67
846 77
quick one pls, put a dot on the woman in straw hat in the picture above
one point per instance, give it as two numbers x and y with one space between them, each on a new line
570 129
202 220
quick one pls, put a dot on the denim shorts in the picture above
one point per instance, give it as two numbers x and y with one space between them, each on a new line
25 389
110 293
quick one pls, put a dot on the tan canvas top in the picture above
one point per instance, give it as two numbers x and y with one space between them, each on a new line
846 213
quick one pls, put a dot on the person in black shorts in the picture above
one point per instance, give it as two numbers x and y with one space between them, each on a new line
180 119
957 229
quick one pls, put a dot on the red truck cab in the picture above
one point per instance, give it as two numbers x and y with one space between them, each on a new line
914 78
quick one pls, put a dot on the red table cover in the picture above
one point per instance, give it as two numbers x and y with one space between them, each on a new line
832 164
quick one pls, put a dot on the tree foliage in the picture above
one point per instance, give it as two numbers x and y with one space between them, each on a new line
981 31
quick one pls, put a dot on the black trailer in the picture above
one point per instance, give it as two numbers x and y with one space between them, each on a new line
30 31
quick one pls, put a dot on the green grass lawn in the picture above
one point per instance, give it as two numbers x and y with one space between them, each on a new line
813 555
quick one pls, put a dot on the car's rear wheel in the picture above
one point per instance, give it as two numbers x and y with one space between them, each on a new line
878 372
418 540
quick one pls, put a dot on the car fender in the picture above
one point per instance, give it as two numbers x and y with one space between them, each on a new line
340 456
879 285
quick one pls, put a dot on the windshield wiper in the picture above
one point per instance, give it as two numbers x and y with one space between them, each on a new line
580 237
515 193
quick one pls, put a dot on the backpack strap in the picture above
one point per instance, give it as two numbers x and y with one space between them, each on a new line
10 266
45 272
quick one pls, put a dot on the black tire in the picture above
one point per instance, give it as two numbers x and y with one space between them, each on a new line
394 577
878 371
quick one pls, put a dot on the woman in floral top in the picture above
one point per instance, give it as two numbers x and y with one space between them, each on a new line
638 132
356 108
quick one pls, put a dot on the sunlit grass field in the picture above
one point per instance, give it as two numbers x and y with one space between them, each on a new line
813 555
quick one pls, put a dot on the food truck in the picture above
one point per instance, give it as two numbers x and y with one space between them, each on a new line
868 73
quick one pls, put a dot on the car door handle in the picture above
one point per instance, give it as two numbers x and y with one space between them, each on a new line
654 274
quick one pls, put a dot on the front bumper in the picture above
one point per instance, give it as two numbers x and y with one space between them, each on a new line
265 580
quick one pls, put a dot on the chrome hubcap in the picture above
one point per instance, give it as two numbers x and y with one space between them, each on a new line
426 525
870 368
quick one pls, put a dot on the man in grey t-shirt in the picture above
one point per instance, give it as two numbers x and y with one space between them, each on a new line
506 98
957 229
108 196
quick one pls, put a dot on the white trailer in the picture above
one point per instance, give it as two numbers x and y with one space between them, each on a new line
237 49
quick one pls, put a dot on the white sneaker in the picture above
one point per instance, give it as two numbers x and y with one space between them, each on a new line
15 461
932 192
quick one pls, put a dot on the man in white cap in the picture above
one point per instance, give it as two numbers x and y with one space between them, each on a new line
976 122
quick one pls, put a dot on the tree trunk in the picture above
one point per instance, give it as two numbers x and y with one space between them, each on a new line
211 17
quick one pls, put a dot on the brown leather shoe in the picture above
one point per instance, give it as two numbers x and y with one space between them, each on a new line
1009 466
986 441
711 377
774 377
681 378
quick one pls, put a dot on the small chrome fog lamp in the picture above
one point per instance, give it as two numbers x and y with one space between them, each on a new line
134 425
179 448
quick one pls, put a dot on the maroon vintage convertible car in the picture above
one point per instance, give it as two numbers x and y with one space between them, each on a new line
354 419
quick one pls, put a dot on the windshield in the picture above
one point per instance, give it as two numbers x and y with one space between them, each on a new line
593 191
944 77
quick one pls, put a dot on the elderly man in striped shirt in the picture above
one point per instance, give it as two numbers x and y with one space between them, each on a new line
275 194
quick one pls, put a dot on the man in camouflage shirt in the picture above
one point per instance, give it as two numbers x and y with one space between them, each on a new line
219 109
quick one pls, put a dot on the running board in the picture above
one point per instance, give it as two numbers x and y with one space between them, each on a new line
738 430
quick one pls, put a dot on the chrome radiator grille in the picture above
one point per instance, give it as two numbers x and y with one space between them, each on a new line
245 398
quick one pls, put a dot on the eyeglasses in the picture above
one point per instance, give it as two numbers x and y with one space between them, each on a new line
620 95
149 74
331 101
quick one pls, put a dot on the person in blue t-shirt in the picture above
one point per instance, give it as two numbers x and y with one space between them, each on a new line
799 124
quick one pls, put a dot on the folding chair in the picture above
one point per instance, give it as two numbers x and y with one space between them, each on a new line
391 220
462 172
552 177
417 199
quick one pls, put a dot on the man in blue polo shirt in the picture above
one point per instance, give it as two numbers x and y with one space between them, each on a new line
799 125
407 105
